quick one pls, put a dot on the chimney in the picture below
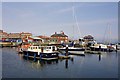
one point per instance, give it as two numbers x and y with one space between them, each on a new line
62 32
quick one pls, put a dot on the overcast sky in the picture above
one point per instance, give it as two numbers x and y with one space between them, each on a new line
45 18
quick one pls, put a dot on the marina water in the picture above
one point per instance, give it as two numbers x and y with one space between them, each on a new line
14 65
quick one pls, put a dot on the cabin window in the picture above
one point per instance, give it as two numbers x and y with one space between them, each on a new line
44 47
36 47
31 47
39 47
53 49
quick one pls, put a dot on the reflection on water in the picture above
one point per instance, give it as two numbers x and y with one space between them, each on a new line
103 65
66 63
38 63
99 57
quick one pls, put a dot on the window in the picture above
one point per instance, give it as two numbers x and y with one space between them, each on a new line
39 47
33 47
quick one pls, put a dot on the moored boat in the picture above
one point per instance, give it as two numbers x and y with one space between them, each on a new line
73 50
102 47
41 52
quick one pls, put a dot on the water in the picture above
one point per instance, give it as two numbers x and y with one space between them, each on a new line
14 65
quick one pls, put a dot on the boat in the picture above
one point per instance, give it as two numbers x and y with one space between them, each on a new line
101 47
118 46
73 50
41 52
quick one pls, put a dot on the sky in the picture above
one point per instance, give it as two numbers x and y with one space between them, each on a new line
76 19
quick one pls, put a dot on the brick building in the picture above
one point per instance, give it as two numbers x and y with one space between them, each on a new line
25 34
61 37
45 38
3 35
13 36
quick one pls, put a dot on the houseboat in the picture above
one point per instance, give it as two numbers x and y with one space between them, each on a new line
41 52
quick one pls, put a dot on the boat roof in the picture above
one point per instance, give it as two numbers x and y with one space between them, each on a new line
39 46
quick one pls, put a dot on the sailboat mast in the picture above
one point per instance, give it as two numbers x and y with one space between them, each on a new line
109 34
75 18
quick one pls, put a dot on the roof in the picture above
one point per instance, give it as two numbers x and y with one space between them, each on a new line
88 37
35 37
43 37
59 35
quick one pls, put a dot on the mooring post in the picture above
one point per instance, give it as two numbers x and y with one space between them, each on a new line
99 57
66 63
66 50
34 56
116 48
99 48
27 55
40 56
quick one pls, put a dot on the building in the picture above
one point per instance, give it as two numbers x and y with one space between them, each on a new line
3 35
33 39
45 38
13 37
88 38
61 37
25 34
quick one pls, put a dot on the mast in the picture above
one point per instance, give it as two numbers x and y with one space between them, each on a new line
75 18
109 34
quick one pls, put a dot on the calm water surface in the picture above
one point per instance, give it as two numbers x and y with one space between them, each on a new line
14 65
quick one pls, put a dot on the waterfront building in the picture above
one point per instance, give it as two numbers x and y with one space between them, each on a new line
46 39
61 37
3 35
88 38
54 41
13 37
33 39
25 34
